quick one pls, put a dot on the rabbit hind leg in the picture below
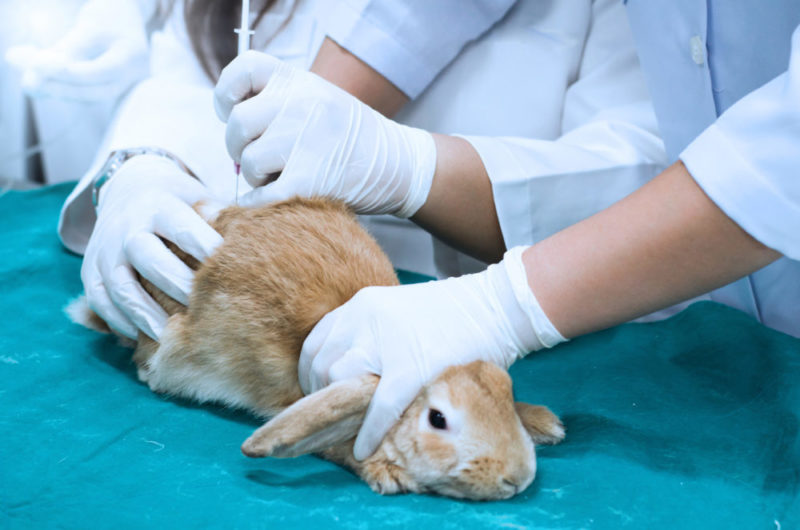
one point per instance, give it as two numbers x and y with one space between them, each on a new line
180 367
147 350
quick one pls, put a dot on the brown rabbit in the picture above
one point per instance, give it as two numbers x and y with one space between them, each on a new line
280 269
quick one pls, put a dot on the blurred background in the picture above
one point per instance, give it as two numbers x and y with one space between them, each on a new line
43 140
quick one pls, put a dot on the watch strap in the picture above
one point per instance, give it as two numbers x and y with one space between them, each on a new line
117 158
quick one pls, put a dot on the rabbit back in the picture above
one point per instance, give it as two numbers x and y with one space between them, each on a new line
280 269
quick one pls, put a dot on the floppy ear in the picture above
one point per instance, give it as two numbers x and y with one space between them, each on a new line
316 422
543 426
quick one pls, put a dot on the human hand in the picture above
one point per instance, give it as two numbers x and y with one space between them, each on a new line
409 334
324 141
101 56
148 197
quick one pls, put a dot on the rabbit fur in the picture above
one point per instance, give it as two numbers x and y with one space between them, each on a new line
280 269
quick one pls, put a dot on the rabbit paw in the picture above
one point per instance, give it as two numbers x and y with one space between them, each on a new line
552 434
542 425
142 373
387 478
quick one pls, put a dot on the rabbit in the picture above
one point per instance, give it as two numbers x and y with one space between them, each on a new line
280 269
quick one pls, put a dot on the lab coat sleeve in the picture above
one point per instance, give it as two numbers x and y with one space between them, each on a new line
609 146
748 161
410 41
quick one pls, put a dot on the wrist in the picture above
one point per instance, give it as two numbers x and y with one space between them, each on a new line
527 321
421 150
143 162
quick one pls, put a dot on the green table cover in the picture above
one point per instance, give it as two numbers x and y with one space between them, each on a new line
687 423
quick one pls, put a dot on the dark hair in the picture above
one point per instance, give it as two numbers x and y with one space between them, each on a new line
210 24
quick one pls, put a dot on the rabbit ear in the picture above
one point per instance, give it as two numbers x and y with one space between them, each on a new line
543 426
316 422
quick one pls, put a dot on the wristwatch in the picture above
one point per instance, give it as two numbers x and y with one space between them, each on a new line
119 157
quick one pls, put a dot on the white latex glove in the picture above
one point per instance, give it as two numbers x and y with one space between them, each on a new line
148 197
100 57
323 140
409 334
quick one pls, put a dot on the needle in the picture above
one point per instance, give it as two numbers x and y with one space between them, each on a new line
244 33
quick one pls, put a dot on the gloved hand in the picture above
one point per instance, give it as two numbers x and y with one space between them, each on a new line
148 197
101 56
323 140
409 334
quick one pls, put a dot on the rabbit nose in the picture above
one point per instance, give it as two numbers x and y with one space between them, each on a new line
519 479
512 485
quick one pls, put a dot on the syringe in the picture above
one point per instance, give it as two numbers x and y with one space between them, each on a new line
244 33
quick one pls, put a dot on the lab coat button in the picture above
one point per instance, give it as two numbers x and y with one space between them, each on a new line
698 50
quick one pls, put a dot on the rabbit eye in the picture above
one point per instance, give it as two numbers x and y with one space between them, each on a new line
436 419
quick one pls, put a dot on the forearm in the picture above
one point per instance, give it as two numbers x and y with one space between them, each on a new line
662 244
460 208
349 73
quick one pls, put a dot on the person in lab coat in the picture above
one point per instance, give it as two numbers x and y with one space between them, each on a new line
722 219
591 119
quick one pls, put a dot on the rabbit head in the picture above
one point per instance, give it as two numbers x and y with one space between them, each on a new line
463 436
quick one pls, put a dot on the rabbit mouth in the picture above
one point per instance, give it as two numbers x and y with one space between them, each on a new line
445 490
461 489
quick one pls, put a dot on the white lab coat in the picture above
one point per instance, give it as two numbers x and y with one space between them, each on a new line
725 82
753 172
748 162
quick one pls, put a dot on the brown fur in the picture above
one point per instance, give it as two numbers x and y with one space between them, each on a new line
247 316
280 269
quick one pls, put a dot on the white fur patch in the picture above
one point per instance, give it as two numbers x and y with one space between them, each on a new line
198 383
558 431
439 399
79 312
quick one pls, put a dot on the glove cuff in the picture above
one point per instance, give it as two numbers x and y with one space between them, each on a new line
118 158
422 150
534 329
